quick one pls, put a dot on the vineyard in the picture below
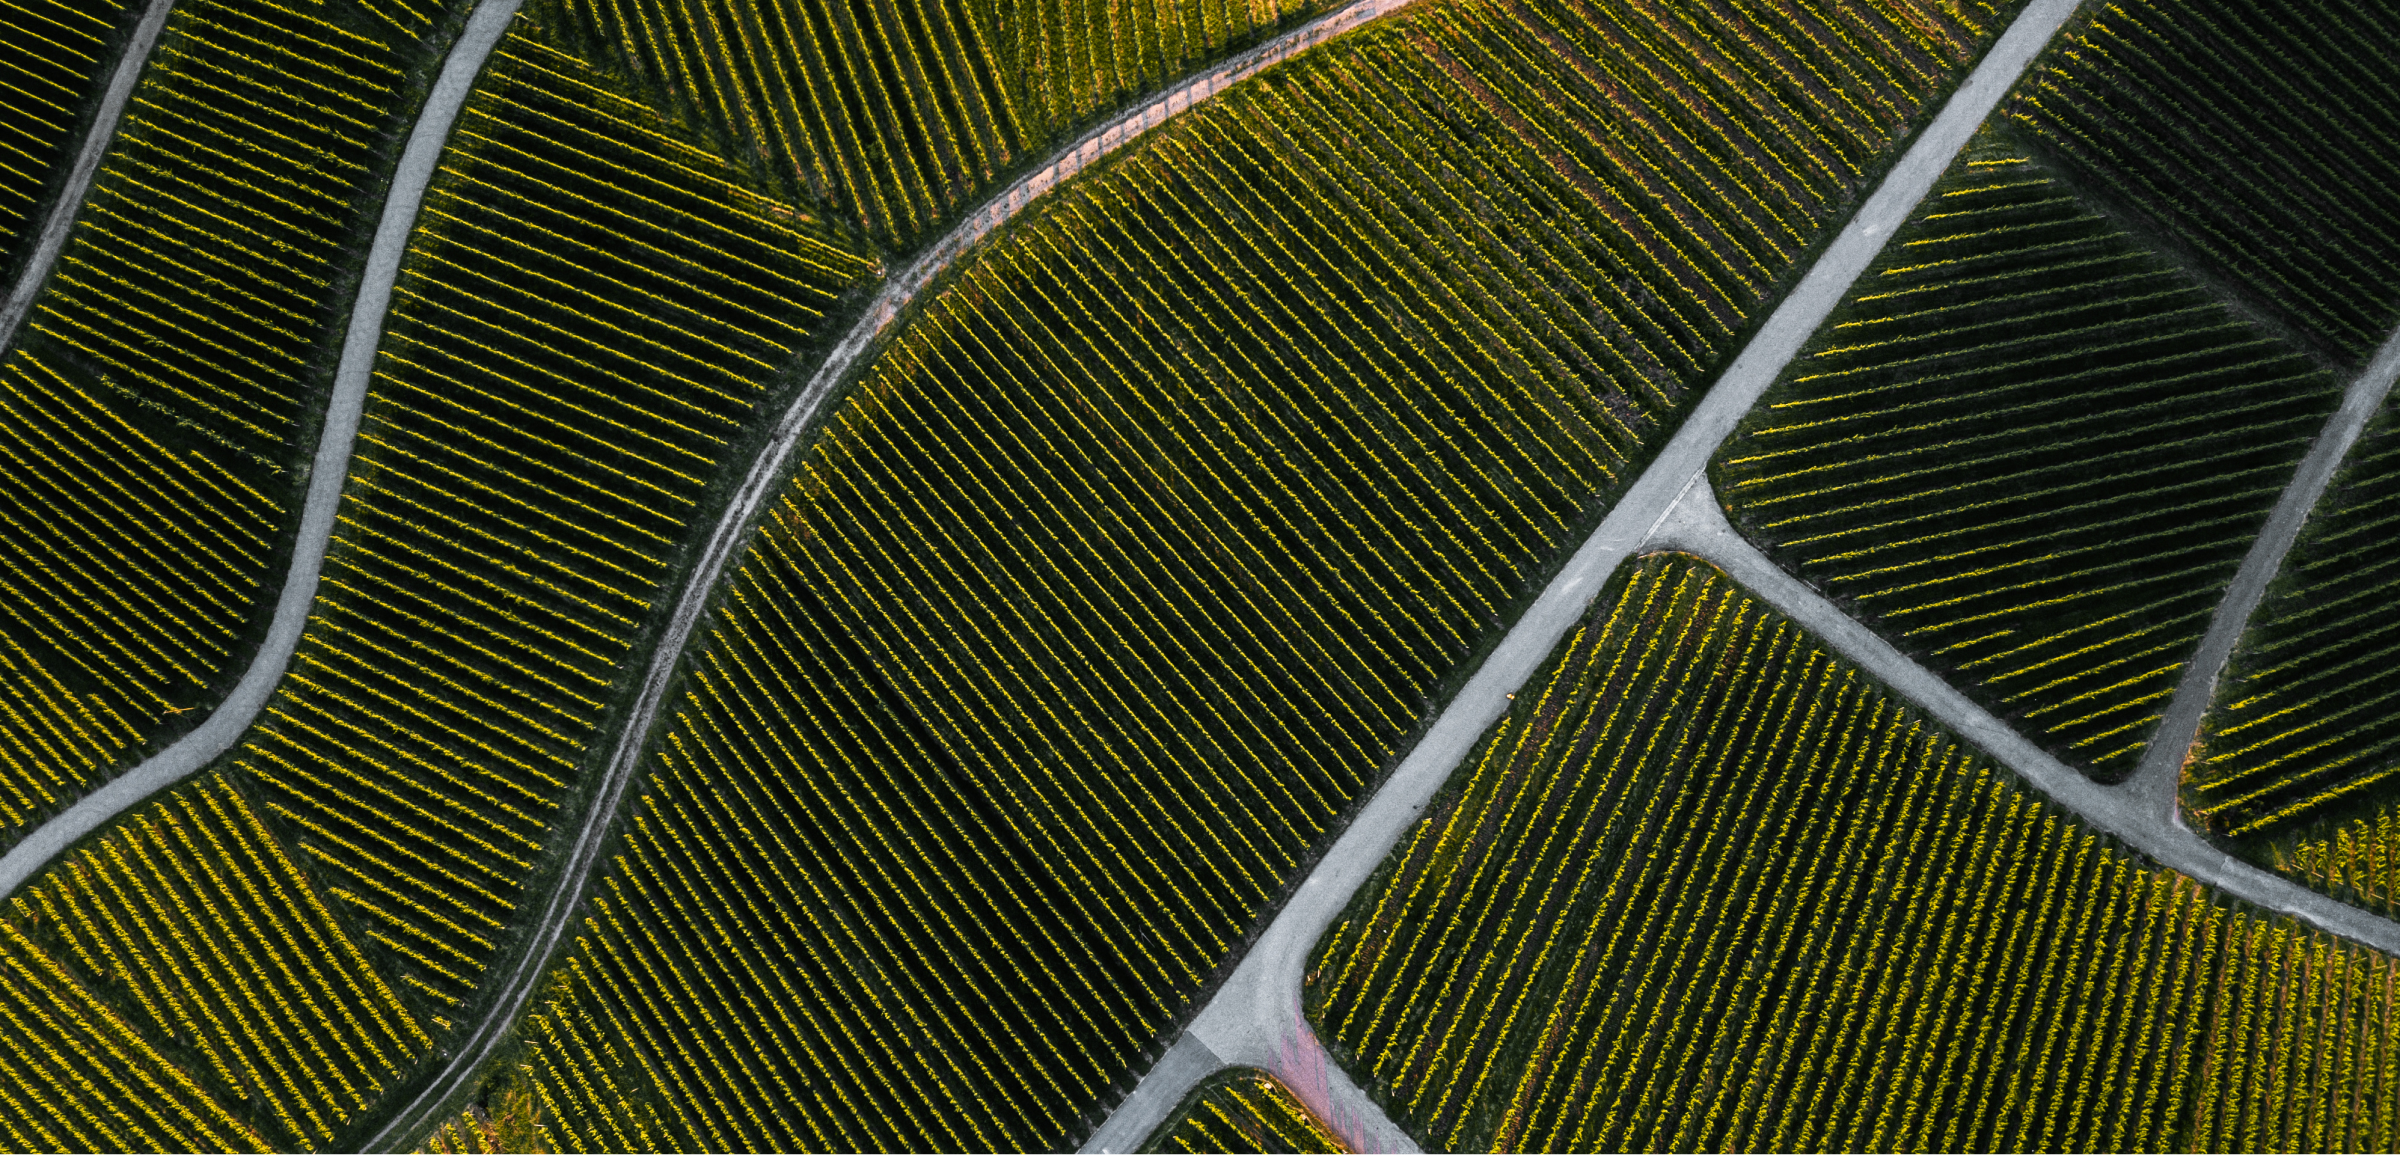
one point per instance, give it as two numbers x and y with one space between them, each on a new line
2031 453
1240 1110
164 380
185 964
1141 551
898 114
2300 745
55 57
1709 887
590 311
2257 134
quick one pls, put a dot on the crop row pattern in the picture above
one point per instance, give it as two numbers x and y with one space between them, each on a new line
588 315
897 113
1245 1110
2299 750
150 404
1711 888
54 57
2259 134
1137 555
178 985
2031 452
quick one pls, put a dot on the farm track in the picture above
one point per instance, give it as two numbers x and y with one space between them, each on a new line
2157 779
1255 1018
328 474
130 60
519 977
2127 812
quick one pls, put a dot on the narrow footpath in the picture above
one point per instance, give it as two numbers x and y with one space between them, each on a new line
1255 1018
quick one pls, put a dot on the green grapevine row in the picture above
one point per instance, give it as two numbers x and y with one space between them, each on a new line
2258 134
2031 452
178 985
55 57
1140 552
1240 1109
589 314
1711 888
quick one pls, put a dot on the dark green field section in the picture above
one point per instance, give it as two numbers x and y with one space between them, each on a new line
55 57
1140 552
176 984
590 312
157 404
1709 887
1241 1109
588 315
2261 136
2030 452
2299 748
898 114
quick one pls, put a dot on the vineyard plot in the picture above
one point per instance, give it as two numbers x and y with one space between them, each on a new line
162 391
587 316
2259 135
2030 452
897 113
1141 550
2297 754
1710 887
55 58
178 985
1244 1110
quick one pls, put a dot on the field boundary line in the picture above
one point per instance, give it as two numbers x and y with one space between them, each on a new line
328 476
2158 778
1698 526
130 62
1255 1018
733 528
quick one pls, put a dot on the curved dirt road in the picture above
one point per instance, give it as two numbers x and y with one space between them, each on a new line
520 976
328 473
61 220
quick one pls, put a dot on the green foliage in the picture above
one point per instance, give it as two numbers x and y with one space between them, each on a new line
55 57
2301 743
162 383
1240 1109
1709 888
898 113
177 985
588 315
2258 134
2031 453
1138 554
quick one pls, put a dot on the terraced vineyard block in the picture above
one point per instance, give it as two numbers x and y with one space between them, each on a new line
55 58
2030 452
589 317
159 398
1710 887
2298 754
1139 553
